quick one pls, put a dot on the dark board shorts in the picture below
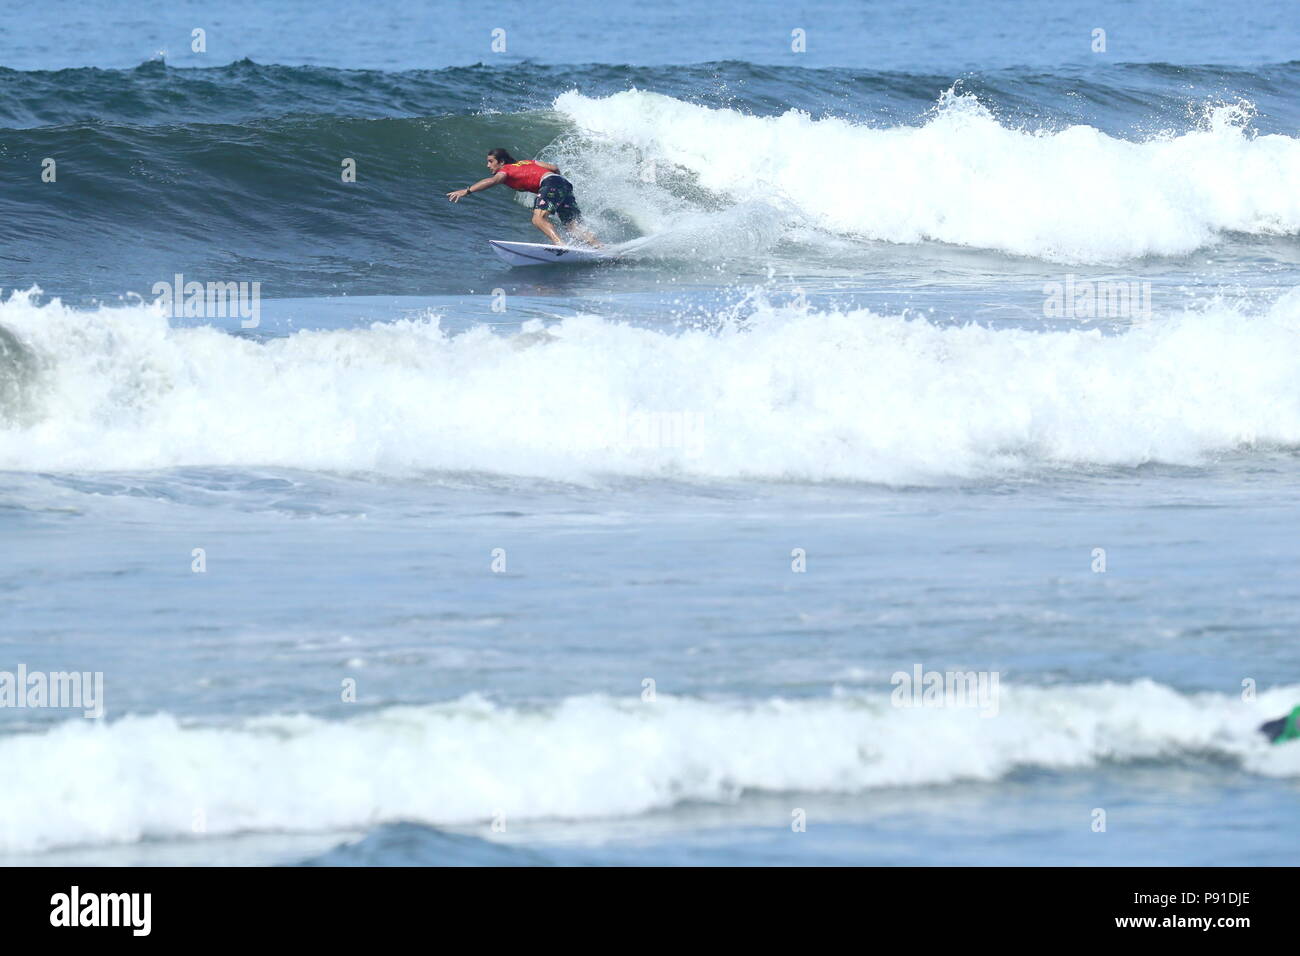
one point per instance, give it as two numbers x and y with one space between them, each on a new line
555 194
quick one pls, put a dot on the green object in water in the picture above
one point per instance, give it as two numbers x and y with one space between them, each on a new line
1289 730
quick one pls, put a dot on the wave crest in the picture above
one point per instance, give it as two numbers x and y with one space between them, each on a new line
1073 195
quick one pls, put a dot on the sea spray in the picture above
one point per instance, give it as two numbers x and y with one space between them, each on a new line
18 373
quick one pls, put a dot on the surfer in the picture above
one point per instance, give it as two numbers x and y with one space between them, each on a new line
554 193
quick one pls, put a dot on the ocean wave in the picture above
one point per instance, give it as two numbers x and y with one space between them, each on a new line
1069 195
156 93
205 180
85 783
784 393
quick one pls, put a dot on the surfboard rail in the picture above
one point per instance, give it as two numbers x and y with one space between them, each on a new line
541 254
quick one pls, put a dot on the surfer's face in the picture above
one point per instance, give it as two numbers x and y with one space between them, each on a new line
493 163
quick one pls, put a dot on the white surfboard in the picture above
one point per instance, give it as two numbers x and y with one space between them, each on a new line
539 254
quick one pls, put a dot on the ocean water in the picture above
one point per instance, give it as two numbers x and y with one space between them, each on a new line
952 346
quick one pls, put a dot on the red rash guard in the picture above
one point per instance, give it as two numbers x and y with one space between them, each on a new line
525 175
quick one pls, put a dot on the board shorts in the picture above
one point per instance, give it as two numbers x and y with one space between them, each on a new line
555 194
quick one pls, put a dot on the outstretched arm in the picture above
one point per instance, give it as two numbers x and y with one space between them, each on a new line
457 195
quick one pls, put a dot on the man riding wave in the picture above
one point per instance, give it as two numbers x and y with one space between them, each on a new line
554 193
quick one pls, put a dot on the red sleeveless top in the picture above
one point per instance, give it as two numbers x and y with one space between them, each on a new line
525 175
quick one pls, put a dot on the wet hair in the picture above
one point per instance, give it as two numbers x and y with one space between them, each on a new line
501 155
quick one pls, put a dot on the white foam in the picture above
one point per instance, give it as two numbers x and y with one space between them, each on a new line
1074 195
84 782
796 395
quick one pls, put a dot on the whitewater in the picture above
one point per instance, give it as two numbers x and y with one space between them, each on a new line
1073 195
779 393
443 764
